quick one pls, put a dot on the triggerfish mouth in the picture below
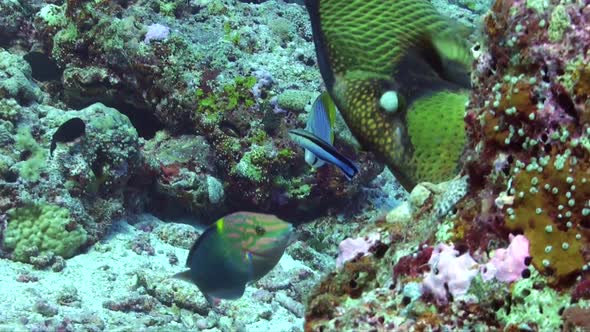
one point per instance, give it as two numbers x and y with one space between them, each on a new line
318 138
399 73
237 249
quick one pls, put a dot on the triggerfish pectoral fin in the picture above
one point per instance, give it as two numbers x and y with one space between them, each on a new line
398 72
324 151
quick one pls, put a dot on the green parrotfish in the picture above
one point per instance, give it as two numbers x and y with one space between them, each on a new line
399 73
237 249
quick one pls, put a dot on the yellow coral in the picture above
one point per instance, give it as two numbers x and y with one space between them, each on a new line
44 227
548 208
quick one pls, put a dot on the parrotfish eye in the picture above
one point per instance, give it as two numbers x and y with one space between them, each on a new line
260 230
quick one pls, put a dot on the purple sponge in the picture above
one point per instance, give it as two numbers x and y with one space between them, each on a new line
507 264
450 269
350 249
156 32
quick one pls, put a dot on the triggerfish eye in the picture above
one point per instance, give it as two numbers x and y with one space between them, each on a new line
399 74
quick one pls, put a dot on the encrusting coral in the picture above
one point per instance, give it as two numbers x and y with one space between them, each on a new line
527 163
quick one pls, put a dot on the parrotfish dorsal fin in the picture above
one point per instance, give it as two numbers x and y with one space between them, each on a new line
184 275
210 231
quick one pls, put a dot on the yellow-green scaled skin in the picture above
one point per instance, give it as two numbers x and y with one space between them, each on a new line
366 48
44 227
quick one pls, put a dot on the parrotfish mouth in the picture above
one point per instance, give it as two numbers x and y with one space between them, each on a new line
253 253
292 238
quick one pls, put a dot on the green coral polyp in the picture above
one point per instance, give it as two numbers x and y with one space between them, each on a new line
234 95
45 227
31 168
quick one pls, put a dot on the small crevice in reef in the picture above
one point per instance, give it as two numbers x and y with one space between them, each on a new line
144 121
43 67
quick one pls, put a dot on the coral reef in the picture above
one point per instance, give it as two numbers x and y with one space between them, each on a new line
186 107
39 229
218 85
529 109
527 174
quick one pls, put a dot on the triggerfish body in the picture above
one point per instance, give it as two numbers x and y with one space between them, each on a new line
318 137
239 248
399 74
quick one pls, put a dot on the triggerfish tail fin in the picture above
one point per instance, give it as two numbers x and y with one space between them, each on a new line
321 123
324 151
396 69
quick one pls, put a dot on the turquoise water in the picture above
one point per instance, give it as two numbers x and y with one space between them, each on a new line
416 165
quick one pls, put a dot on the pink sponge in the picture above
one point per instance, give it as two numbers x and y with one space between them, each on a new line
507 264
450 269
352 248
